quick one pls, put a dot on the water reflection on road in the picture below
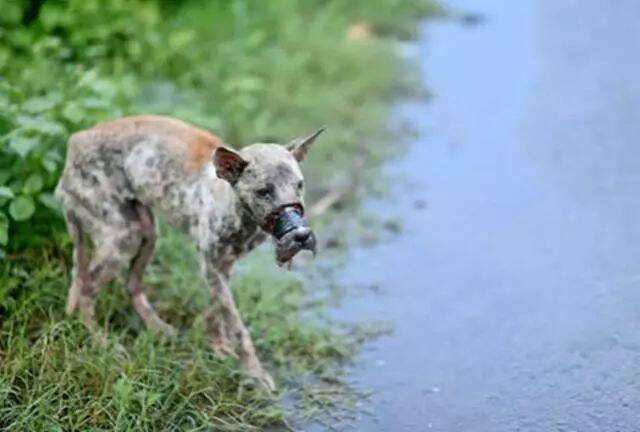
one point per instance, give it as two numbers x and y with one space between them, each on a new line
515 293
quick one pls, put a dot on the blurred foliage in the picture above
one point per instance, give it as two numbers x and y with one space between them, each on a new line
247 69
251 71
53 378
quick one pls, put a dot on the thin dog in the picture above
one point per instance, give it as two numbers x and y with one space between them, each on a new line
118 173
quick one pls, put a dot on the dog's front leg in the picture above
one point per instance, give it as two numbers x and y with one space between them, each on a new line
229 336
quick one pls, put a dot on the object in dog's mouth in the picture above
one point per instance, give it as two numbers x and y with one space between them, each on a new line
293 235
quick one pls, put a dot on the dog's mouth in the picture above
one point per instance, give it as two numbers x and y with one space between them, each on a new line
292 234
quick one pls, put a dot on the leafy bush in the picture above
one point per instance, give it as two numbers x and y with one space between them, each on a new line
248 70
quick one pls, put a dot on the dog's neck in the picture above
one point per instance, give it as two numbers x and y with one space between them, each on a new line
228 229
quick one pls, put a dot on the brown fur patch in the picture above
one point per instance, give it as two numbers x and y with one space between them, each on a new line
193 145
200 148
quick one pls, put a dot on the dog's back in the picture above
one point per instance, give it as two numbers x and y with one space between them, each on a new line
146 158
189 147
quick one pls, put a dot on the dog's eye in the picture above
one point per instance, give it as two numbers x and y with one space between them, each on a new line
265 192
300 185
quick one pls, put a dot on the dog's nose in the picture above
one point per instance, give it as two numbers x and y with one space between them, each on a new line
302 235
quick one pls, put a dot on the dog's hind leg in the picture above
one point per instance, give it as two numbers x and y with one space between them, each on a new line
79 272
115 241
139 262
103 268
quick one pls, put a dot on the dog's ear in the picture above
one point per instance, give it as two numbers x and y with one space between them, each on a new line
299 147
229 164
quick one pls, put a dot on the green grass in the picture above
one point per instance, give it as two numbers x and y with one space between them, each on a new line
52 372
251 73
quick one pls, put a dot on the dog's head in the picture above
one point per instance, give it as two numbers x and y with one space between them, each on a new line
269 182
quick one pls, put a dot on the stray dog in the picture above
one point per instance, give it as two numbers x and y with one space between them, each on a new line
117 173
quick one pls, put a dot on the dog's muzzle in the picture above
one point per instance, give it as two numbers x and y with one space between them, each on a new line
292 234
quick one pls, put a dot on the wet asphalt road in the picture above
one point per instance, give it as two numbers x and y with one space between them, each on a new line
515 293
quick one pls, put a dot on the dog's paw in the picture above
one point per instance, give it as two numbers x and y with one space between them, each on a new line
267 382
262 380
259 375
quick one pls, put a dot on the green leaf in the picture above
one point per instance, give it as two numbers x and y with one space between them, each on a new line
103 88
51 160
5 174
181 39
88 77
33 184
41 124
73 112
11 13
42 104
243 83
4 229
22 144
95 103
48 200
49 165
22 208
6 192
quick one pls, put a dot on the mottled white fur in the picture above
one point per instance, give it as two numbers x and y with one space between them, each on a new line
118 174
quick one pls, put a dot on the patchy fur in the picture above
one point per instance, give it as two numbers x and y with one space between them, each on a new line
117 173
